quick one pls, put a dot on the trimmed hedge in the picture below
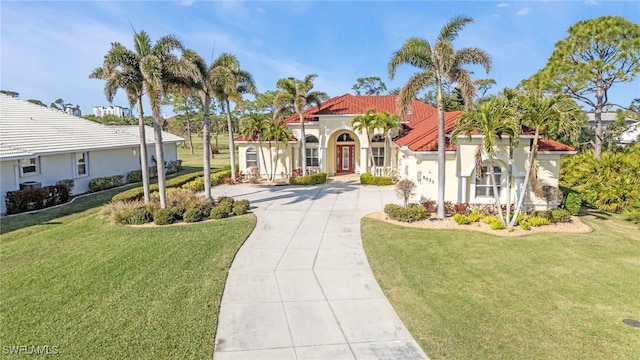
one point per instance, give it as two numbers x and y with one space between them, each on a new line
240 207
217 178
572 201
104 183
411 213
313 179
163 217
134 176
138 193
368 179
34 199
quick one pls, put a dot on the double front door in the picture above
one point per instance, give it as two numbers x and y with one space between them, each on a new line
345 159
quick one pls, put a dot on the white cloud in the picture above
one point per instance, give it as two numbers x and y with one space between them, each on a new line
260 10
504 5
591 2
524 11
186 2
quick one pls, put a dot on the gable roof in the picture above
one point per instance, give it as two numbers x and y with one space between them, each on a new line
29 130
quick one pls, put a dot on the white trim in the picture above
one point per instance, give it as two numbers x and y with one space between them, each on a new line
36 164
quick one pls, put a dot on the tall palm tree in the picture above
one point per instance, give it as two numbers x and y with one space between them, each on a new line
230 83
255 127
281 135
159 67
493 119
556 114
367 123
201 79
297 94
121 70
438 64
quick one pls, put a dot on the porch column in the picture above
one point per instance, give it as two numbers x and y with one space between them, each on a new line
323 159
363 159
462 192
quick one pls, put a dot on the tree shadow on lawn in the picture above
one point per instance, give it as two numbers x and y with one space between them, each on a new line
598 214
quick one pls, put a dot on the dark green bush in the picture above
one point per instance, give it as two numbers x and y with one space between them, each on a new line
411 213
193 215
34 199
240 207
313 179
228 199
547 214
134 176
572 202
107 182
138 216
163 217
68 183
368 179
560 215
219 212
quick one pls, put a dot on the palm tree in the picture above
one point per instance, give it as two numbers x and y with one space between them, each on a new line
493 119
389 124
438 64
297 94
557 114
201 79
281 135
121 70
159 68
230 83
254 127
367 123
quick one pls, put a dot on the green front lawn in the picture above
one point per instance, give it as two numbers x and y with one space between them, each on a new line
466 294
196 161
97 290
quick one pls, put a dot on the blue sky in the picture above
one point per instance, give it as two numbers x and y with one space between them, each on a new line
49 48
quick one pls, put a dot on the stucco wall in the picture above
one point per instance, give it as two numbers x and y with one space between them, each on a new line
281 158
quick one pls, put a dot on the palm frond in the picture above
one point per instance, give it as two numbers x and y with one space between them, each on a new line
451 29
415 52
408 93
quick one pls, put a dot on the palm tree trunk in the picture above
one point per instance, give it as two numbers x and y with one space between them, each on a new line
157 128
496 194
189 132
264 160
144 164
232 148
271 176
534 148
303 143
509 176
441 150
206 148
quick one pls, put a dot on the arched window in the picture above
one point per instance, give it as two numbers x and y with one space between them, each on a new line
252 157
344 137
484 186
378 138
311 150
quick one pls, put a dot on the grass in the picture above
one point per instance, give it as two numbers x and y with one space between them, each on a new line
98 290
465 294
195 160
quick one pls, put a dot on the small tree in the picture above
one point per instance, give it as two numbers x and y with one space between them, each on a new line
552 195
404 188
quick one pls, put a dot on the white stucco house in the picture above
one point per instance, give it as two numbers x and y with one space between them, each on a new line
40 146
333 147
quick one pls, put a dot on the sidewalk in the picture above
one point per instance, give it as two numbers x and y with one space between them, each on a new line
301 286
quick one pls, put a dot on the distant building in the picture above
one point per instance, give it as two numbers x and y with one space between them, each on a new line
607 118
100 111
73 111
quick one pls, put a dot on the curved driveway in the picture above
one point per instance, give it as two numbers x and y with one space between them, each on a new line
301 287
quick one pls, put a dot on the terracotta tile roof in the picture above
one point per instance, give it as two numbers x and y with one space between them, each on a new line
252 138
424 135
552 145
348 104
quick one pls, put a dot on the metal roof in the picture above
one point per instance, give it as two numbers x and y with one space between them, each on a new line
28 130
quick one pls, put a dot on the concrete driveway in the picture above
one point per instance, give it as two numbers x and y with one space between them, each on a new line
301 286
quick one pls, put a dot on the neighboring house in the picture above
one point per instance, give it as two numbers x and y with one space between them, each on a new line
334 148
100 111
606 119
630 135
40 146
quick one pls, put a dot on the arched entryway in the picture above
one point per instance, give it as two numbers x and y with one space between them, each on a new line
343 149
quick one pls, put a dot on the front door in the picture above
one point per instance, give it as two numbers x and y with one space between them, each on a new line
345 161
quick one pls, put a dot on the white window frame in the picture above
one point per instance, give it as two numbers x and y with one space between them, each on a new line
27 163
486 186
249 163
312 145
378 155
76 164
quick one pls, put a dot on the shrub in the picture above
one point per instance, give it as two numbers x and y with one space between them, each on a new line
632 215
313 179
572 202
404 188
368 179
217 178
449 209
496 225
411 213
226 205
222 199
430 205
547 214
219 212
130 212
68 183
107 182
551 194
34 199
524 225
240 207
193 215
134 176
475 215
537 221
489 219
560 215
461 219
461 208
163 217
176 182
